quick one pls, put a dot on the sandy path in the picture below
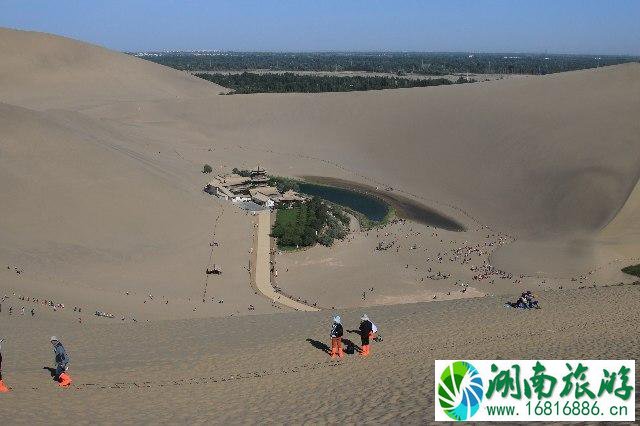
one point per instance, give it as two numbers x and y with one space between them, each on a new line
262 275
213 246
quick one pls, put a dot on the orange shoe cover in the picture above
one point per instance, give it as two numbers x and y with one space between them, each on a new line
334 350
65 380
3 387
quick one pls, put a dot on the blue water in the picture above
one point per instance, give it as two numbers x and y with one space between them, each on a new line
373 208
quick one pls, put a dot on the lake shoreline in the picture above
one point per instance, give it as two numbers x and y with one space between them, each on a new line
404 207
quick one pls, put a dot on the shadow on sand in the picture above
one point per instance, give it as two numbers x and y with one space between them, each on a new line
52 371
319 345
349 346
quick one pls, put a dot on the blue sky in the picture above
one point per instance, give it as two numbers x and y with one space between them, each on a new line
554 26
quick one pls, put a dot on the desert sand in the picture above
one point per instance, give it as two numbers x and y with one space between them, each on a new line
102 209
273 368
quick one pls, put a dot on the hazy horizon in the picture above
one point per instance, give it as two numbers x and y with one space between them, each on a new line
383 52
496 26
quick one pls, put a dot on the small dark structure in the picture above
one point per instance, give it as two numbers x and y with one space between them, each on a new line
215 270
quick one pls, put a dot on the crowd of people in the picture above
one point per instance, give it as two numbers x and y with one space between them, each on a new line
462 254
45 303
427 253
486 271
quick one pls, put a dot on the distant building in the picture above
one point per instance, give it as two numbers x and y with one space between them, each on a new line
215 187
266 190
251 207
233 179
292 196
253 190
259 176
241 199
263 200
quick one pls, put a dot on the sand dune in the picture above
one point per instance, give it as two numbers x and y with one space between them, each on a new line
540 156
244 370
41 70
562 146
572 134
108 148
544 159
101 208
82 213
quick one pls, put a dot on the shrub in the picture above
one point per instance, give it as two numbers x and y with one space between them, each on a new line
632 270
207 169
309 223
243 173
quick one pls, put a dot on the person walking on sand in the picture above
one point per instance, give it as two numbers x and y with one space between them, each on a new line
62 363
3 387
336 337
366 333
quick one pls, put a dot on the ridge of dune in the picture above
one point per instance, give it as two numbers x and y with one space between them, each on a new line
37 68
624 230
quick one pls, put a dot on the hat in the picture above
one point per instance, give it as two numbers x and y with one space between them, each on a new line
54 339
364 317
337 319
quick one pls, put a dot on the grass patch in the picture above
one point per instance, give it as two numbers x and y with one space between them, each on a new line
287 248
632 270
310 223
287 217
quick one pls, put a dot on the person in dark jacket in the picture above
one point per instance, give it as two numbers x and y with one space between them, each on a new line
336 337
366 333
62 363
1 340
3 387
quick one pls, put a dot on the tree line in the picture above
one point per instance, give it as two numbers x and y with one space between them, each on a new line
310 223
386 62
246 82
